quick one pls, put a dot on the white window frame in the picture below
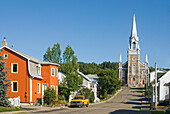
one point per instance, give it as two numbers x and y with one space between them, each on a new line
5 57
12 86
52 71
39 88
56 89
39 69
56 72
12 67
52 86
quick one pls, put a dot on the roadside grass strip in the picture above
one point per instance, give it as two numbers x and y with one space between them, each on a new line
7 109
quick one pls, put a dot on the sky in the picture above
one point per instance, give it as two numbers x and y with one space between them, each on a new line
97 30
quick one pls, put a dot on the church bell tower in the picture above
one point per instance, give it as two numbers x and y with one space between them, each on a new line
133 57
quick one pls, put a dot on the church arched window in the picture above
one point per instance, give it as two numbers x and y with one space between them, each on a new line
134 45
133 69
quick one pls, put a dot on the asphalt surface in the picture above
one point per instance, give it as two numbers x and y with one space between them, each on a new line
128 101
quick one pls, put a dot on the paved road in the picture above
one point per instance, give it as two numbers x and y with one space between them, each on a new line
128 101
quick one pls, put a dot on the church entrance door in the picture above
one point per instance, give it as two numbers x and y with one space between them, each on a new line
133 81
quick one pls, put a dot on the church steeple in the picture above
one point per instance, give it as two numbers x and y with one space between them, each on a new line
133 40
134 30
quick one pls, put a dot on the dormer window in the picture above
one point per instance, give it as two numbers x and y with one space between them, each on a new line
39 69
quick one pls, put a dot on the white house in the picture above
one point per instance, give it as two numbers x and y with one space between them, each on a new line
86 80
61 77
90 83
94 85
163 91
152 74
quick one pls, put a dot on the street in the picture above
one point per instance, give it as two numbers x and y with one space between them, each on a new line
128 101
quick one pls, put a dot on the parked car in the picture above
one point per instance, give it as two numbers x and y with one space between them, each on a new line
80 100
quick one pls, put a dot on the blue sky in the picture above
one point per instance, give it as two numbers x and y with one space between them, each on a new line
97 30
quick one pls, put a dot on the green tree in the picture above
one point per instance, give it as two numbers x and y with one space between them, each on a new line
108 81
53 55
63 92
70 68
49 96
4 84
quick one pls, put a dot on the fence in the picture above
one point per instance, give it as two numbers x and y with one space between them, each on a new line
15 101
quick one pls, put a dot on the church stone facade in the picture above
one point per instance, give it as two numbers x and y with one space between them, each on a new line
133 72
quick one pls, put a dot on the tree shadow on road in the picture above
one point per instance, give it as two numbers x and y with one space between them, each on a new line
129 112
137 88
134 103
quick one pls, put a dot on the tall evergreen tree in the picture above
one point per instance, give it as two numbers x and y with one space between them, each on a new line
4 84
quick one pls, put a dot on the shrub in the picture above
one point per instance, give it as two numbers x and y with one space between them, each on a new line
49 96
88 94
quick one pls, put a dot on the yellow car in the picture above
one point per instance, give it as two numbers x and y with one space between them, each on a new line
80 100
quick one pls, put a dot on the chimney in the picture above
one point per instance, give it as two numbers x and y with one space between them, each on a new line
4 43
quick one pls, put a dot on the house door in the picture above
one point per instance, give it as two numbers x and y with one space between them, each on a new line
44 87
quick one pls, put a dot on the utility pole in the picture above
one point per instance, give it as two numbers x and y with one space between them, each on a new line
155 86
148 85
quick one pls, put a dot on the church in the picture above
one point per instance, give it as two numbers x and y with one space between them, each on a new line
133 72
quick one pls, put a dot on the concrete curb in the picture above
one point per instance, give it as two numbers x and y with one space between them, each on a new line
91 104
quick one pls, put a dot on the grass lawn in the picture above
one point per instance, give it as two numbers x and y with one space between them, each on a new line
6 109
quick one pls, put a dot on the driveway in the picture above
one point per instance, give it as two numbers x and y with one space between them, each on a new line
128 101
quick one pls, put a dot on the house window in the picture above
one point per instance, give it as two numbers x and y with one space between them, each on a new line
38 87
52 87
133 59
5 56
56 72
133 69
14 86
52 72
39 69
56 89
14 68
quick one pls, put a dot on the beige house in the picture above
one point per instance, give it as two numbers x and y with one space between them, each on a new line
133 72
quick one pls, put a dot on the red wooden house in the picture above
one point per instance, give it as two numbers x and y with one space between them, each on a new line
29 76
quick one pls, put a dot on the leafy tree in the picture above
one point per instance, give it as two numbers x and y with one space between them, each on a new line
70 67
87 93
88 68
109 65
151 69
49 96
4 84
54 54
63 91
108 81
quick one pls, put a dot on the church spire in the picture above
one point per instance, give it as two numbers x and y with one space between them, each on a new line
120 60
146 58
134 30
